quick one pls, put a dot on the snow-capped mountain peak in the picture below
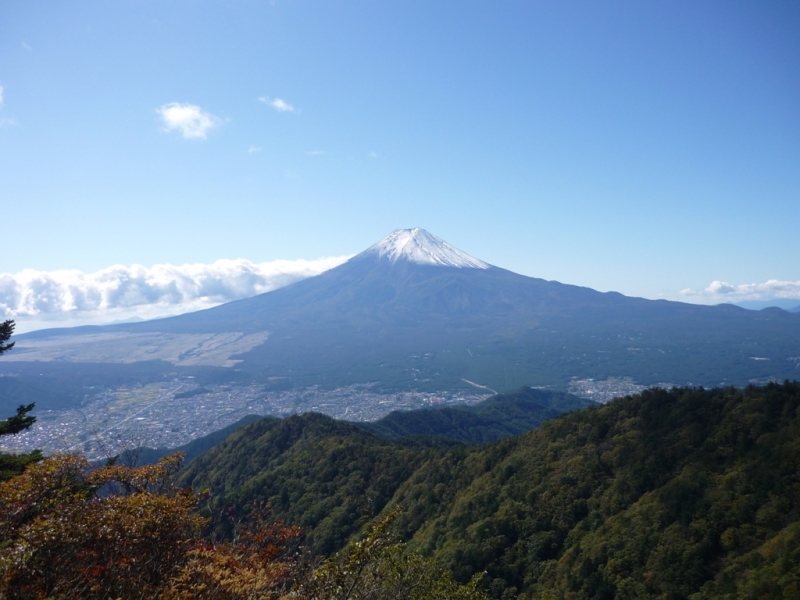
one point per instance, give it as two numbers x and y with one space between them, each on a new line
418 246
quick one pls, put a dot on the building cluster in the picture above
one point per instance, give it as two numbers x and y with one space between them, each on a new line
152 415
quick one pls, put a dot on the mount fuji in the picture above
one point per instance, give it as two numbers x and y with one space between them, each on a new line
413 312
420 247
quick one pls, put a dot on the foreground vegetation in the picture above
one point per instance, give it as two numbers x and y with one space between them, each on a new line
67 531
666 494
686 493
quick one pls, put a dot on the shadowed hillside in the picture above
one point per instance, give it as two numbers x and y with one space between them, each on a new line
330 477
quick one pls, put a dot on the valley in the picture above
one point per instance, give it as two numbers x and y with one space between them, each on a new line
172 413
175 412
214 350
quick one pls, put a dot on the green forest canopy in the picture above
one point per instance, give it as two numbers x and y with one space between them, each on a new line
670 494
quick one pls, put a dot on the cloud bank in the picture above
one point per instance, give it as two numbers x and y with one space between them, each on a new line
720 291
55 298
188 119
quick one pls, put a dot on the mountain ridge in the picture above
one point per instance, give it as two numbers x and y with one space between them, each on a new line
681 493
498 417
429 326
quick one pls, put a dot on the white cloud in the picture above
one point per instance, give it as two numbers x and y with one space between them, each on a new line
1 96
189 119
120 292
278 104
252 149
26 46
720 291
315 152
373 154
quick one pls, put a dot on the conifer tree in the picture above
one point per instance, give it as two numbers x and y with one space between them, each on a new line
6 329
14 464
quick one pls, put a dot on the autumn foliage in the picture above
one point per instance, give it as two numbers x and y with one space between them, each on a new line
67 531
256 564
116 532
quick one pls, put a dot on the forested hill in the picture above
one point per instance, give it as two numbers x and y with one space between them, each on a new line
494 419
667 494
332 476
328 476
498 417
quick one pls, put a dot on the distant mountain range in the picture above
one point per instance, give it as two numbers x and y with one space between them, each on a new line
790 304
413 312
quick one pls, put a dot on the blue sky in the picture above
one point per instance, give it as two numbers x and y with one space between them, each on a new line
646 148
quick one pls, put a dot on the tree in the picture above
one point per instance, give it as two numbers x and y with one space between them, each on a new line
376 568
113 532
255 565
6 329
68 531
121 532
18 422
14 464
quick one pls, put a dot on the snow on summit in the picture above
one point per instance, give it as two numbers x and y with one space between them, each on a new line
418 246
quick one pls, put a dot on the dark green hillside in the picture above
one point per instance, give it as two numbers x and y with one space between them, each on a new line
687 493
328 476
331 476
662 495
498 417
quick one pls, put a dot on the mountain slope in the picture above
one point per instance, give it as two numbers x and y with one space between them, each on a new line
666 494
413 312
331 476
327 476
